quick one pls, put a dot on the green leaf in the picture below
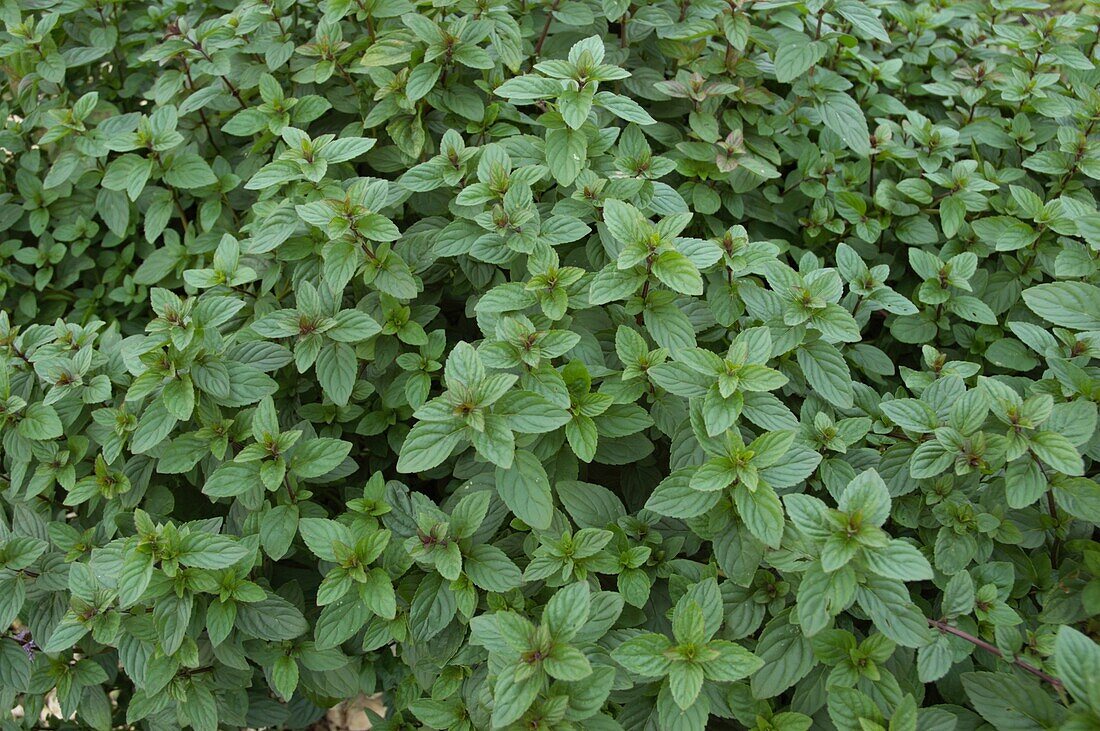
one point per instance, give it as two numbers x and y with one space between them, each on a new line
589 505
336 371
787 657
676 498
794 57
378 595
284 676
685 680
67 633
1005 233
868 497
566 154
525 489
624 108
318 457
529 413
134 577
339 621
155 424
321 535
491 569
567 611
863 19
843 116
827 373
428 444
567 663
762 513
512 697
39 423
732 663
625 222
347 148
433 607
273 618
1010 704
678 273
352 326
644 655
189 171
911 414
1074 305
1080 497
232 479
211 551
898 560
888 604
528 88
277 530
1057 452
1078 659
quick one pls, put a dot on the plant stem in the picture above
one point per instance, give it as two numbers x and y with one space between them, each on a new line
179 209
546 28
202 114
229 84
943 626
1052 507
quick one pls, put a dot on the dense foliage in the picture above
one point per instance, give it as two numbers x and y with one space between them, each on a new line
550 364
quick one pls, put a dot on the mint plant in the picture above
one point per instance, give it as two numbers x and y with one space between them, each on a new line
550 364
